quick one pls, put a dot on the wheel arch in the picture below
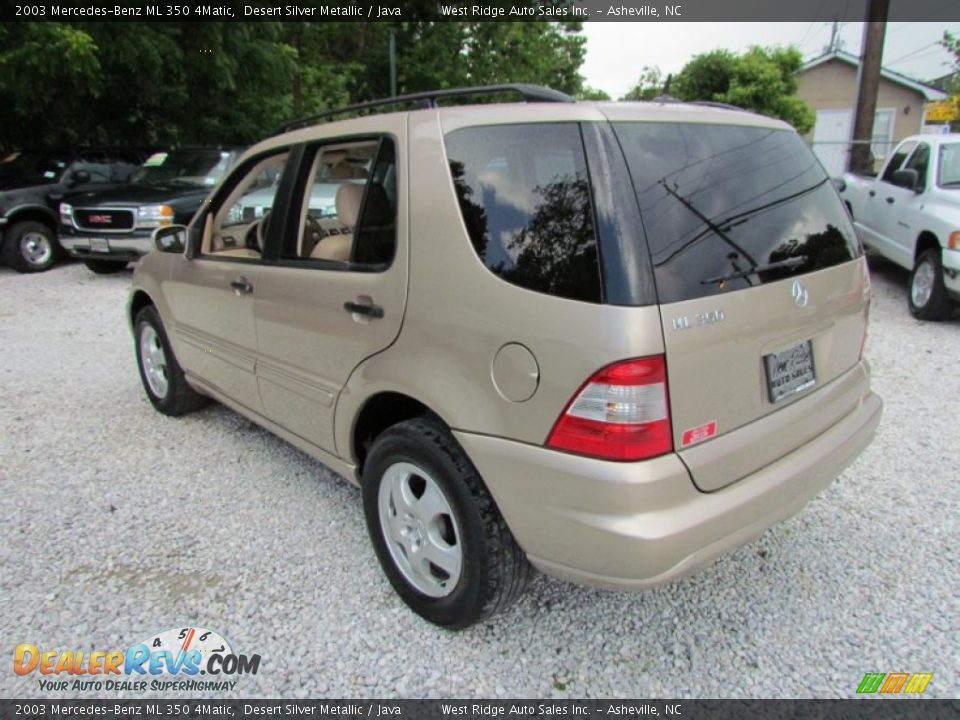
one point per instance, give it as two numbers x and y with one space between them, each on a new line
378 412
35 213
138 301
926 240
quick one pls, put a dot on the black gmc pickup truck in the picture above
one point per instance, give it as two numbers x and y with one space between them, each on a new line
109 228
32 184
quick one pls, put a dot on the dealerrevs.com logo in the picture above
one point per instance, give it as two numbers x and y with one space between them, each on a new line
169 661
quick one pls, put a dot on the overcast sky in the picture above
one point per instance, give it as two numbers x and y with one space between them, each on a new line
617 51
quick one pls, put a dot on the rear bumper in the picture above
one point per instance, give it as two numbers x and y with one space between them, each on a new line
630 526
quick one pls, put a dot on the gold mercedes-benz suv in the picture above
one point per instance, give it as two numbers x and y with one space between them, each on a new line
607 340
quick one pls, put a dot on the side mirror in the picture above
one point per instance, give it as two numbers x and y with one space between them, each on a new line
78 177
170 239
907 178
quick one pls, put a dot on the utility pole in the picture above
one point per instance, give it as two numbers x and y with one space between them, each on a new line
393 62
868 81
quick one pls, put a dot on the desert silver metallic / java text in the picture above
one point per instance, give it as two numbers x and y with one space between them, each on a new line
420 529
154 361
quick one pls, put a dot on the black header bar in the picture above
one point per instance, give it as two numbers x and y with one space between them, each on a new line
343 709
395 11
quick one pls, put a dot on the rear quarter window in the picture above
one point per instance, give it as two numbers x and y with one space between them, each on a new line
525 200
721 204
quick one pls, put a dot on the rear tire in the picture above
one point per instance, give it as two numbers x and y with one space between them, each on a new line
424 501
30 247
160 373
927 295
106 267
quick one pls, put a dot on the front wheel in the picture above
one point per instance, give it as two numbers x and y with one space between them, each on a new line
105 267
928 297
161 374
438 535
31 247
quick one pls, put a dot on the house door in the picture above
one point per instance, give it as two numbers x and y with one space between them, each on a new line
831 136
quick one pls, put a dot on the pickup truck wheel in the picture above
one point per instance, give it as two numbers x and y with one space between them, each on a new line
30 247
160 373
438 535
928 297
105 267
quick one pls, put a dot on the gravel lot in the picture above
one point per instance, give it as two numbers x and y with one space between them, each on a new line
120 522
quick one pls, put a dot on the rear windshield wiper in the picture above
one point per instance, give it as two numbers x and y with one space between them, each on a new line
789 263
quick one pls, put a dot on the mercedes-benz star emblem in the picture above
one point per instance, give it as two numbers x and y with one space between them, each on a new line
800 295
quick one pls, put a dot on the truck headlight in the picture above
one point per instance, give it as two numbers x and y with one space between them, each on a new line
154 216
66 214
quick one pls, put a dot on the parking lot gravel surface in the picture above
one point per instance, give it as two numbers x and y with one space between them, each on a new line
119 523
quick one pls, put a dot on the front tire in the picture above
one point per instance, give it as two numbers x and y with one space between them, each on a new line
106 267
928 297
31 247
160 373
439 537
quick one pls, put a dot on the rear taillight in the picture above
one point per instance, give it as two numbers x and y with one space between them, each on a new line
621 413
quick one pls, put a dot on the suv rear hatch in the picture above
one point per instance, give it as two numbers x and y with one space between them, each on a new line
762 287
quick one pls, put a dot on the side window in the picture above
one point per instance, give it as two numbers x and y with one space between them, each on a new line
920 161
349 206
896 162
525 200
95 165
122 165
237 227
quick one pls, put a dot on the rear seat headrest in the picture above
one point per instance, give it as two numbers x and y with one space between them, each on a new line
349 197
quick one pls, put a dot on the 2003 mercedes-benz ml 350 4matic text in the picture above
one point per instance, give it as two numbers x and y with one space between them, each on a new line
610 340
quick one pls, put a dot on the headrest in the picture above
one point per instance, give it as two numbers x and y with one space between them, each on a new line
346 171
349 197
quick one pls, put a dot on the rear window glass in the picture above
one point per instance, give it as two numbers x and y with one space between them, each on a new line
525 199
726 208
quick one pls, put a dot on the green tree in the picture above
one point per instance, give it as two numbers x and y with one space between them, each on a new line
233 82
649 85
952 43
592 93
763 80
45 55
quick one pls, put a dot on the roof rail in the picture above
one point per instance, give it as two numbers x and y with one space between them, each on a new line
714 104
704 103
529 93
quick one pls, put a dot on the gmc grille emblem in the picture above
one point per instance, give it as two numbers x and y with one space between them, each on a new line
100 219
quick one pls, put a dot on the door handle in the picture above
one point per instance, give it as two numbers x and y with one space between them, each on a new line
242 286
873 193
368 309
890 201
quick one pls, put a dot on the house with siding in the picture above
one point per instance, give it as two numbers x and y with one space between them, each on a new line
829 85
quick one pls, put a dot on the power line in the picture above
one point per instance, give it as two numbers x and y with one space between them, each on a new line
804 38
901 27
911 54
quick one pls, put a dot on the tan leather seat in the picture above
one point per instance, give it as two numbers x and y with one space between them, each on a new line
338 247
